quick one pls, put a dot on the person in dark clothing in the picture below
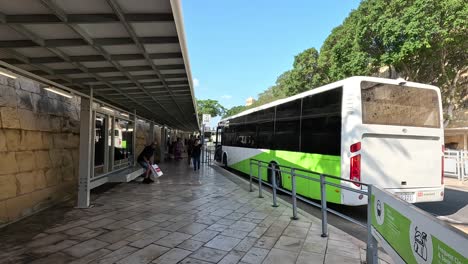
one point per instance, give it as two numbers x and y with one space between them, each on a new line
189 149
196 153
144 159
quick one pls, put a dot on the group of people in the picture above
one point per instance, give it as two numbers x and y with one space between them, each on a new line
193 151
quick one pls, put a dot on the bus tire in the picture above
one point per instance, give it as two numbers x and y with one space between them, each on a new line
278 178
224 160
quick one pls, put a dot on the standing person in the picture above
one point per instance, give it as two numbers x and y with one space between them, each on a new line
189 149
144 159
179 147
196 153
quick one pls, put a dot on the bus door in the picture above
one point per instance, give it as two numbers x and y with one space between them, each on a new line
218 146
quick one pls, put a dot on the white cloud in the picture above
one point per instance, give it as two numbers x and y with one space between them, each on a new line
196 82
226 96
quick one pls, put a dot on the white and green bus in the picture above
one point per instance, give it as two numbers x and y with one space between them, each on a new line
378 131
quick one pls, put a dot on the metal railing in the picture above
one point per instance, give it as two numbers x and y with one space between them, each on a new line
372 256
456 164
207 154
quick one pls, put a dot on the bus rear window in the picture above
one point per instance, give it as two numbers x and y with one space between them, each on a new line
388 104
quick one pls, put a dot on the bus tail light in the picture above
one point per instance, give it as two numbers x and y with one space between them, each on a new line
355 147
442 172
355 169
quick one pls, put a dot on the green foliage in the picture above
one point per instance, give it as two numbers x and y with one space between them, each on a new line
208 106
234 110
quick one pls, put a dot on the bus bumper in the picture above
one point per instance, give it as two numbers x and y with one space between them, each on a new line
420 195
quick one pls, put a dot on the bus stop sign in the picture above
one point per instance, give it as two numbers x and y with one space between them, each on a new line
206 119
410 235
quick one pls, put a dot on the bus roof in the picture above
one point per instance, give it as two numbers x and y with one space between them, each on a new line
323 89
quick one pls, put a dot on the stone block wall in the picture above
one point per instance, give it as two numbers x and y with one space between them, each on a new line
39 142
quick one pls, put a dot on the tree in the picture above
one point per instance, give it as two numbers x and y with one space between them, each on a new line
211 107
234 110
305 75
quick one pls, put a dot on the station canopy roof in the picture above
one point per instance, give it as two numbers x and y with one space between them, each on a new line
131 52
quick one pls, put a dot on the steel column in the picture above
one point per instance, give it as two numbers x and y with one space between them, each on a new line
85 152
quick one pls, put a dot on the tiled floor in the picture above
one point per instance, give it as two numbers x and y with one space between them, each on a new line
185 217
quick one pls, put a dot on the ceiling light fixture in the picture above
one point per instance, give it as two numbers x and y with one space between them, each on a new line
59 92
7 74
107 108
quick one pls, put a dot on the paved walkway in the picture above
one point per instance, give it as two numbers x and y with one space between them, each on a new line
185 217
454 183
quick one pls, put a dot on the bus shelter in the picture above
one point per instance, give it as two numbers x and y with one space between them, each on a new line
126 60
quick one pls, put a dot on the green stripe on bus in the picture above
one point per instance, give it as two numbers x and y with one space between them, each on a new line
326 164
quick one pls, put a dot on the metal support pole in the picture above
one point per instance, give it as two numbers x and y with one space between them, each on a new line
85 152
259 180
323 199
135 120
293 192
273 181
372 247
250 176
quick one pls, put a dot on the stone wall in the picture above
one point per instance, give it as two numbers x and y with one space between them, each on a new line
39 141
143 137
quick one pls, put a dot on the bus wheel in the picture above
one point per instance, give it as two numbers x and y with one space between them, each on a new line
277 175
224 160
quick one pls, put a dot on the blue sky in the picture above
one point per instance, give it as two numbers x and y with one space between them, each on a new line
238 48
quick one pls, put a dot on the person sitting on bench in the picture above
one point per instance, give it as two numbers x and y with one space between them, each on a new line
144 159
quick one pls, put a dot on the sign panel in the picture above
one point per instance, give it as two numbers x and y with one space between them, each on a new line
411 235
206 119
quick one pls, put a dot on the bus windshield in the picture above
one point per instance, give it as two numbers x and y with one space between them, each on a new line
388 104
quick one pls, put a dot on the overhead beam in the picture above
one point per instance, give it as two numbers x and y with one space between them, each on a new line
54 43
113 69
85 18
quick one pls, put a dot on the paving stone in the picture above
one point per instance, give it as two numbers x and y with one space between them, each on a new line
266 242
205 235
344 252
318 247
275 231
301 223
49 249
191 244
172 256
165 223
289 243
243 226
234 216
117 245
117 235
192 229
150 238
232 258
222 212
297 232
84 248
100 223
92 256
47 240
116 255
88 235
141 225
77 230
279 256
225 221
234 233
193 261
56 258
258 232
332 259
67 226
223 243
144 255
255 255
246 244
173 239
217 227
208 254
310 258
256 215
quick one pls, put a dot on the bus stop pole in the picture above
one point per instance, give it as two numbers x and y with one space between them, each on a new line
372 250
